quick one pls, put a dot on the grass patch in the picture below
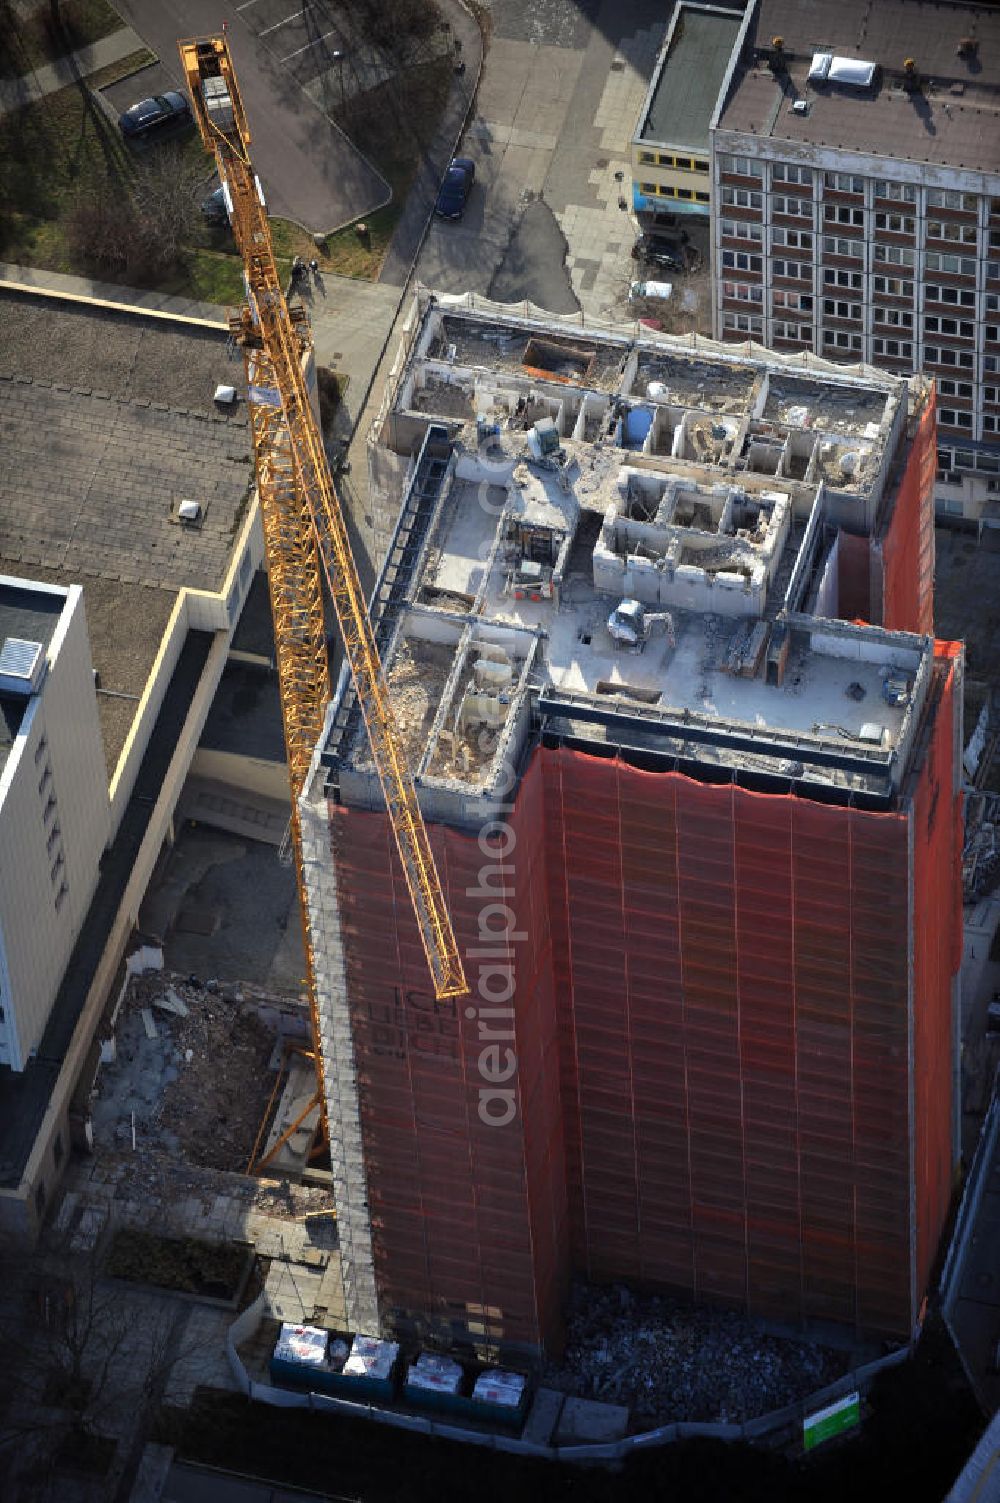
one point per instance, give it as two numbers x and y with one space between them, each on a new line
124 68
185 1264
31 37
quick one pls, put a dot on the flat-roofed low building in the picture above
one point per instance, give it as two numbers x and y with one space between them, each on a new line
55 814
671 170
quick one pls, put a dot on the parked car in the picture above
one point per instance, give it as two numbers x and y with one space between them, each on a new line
662 251
158 116
454 192
214 207
639 290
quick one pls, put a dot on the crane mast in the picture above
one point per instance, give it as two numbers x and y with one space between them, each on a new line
304 526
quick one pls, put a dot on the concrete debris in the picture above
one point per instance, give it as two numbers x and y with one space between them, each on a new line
198 1085
171 1002
670 1361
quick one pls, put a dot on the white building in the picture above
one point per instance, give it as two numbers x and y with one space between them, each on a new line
54 806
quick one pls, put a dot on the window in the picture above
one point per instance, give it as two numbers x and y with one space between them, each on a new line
801 208
54 834
835 309
992 394
892 349
839 340
953 417
683 192
854 250
788 172
799 271
841 214
746 323
947 198
793 239
647 158
942 354
992 270
843 182
893 286
852 279
802 300
702 197
49 809
742 198
962 328
740 261
743 229
951 229
41 748
961 296
784 330
45 779
991 424
61 895
743 292
955 265
664 159
993 333
895 255
684 163
903 193
896 224
742 166
57 867
699 165
991 364
896 318
648 187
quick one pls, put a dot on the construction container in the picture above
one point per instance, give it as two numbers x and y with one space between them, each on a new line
500 1398
300 1355
434 1382
370 1370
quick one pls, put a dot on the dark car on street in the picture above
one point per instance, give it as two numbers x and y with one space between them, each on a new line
160 115
454 191
664 251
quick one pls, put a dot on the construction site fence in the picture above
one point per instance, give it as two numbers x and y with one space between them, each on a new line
779 1427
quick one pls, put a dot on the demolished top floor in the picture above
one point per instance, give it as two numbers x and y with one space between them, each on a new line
639 537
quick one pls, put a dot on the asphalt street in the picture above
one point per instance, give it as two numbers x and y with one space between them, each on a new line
310 171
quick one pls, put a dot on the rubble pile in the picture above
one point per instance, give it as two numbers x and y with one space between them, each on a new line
192 1062
669 1361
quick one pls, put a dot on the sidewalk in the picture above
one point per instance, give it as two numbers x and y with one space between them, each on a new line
158 304
15 93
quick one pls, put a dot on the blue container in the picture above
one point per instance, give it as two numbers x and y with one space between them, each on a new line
638 421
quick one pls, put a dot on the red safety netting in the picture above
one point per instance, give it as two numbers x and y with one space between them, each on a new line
712 1025
732 975
469 1219
937 929
908 545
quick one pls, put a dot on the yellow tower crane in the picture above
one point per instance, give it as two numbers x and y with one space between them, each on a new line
304 527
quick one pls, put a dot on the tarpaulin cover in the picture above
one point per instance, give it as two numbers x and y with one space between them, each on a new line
908 546
469 1219
713 1051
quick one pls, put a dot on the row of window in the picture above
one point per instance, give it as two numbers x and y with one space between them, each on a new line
53 830
847 182
666 159
662 190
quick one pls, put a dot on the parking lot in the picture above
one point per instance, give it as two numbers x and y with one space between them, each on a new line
310 171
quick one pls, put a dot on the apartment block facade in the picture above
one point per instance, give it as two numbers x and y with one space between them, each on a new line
863 222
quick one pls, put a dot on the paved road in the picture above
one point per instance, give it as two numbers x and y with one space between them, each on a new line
310 171
561 92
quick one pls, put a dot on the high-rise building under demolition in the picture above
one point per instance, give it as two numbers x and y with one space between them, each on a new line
657 623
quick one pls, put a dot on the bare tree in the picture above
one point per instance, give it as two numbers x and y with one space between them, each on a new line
142 230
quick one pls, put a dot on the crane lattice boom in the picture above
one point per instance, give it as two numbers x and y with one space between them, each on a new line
304 526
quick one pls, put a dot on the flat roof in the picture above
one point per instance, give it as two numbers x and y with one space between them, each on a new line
108 421
952 121
689 75
707 488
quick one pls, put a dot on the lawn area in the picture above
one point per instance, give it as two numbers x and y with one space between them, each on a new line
65 150
31 36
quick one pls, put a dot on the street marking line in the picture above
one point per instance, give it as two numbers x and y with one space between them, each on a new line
295 16
246 4
306 48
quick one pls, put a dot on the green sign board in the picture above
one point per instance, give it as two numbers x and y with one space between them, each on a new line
831 1421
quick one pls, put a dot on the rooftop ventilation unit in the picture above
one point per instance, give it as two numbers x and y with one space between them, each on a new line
22 666
800 106
849 72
